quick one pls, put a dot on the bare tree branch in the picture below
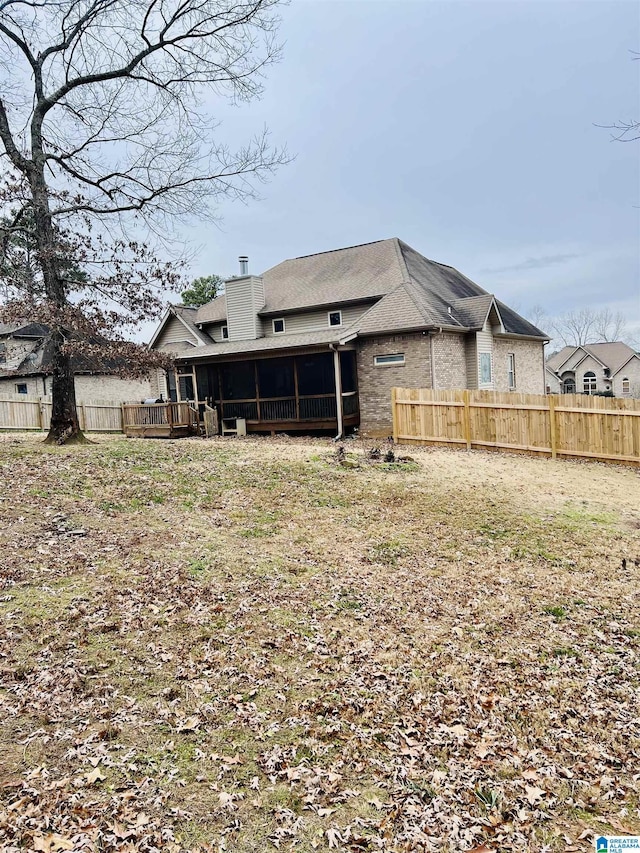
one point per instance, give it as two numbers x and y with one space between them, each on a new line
588 326
103 119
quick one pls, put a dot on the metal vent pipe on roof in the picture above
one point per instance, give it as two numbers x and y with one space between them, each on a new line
244 265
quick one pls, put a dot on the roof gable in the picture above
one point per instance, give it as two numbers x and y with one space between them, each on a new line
187 317
611 354
413 290
398 310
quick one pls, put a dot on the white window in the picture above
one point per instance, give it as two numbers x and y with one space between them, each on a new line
389 360
335 318
512 371
589 382
626 386
21 388
225 333
485 368
278 326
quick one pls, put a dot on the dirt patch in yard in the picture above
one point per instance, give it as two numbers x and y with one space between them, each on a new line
245 644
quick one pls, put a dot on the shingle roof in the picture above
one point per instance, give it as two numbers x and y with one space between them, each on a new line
613 354
557 359
415 290
402 309
306 339
23 329
213 312
39 362
472 311
189 316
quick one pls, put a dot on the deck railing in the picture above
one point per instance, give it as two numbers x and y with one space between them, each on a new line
171 415
316 407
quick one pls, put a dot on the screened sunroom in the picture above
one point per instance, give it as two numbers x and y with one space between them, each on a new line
306 391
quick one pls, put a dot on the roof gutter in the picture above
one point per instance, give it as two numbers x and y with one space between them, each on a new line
522 337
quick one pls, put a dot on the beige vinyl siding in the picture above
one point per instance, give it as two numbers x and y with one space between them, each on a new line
315 321
175 337
244 297
215 332
471 353
158 381
484 344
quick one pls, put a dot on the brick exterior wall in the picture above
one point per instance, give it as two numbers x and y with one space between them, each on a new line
553 384
631 372
111 389
89 389
529 355
450 361
375 383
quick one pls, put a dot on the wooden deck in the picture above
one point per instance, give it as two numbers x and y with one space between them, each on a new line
160 420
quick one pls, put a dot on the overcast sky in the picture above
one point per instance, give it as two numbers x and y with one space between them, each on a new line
467 129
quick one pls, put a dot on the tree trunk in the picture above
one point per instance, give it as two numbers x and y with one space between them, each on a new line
65 426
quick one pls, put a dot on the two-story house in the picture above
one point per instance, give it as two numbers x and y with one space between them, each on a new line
317 342
611 367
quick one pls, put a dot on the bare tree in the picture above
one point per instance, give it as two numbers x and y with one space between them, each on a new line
625 131
609 326
573 328
103 118
588 326
538 316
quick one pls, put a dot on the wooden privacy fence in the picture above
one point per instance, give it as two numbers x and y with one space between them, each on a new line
21 412
568 425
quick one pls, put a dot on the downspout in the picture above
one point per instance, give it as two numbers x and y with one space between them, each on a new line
336 370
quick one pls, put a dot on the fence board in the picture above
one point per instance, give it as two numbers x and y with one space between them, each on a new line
20 412
572 425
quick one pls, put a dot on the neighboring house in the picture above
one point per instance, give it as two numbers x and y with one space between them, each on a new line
317 342
25 368
595 369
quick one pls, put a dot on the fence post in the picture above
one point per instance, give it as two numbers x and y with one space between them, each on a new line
122 421
394 413
552 426
467 418
40 418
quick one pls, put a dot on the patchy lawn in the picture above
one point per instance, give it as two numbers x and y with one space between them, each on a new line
236 644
